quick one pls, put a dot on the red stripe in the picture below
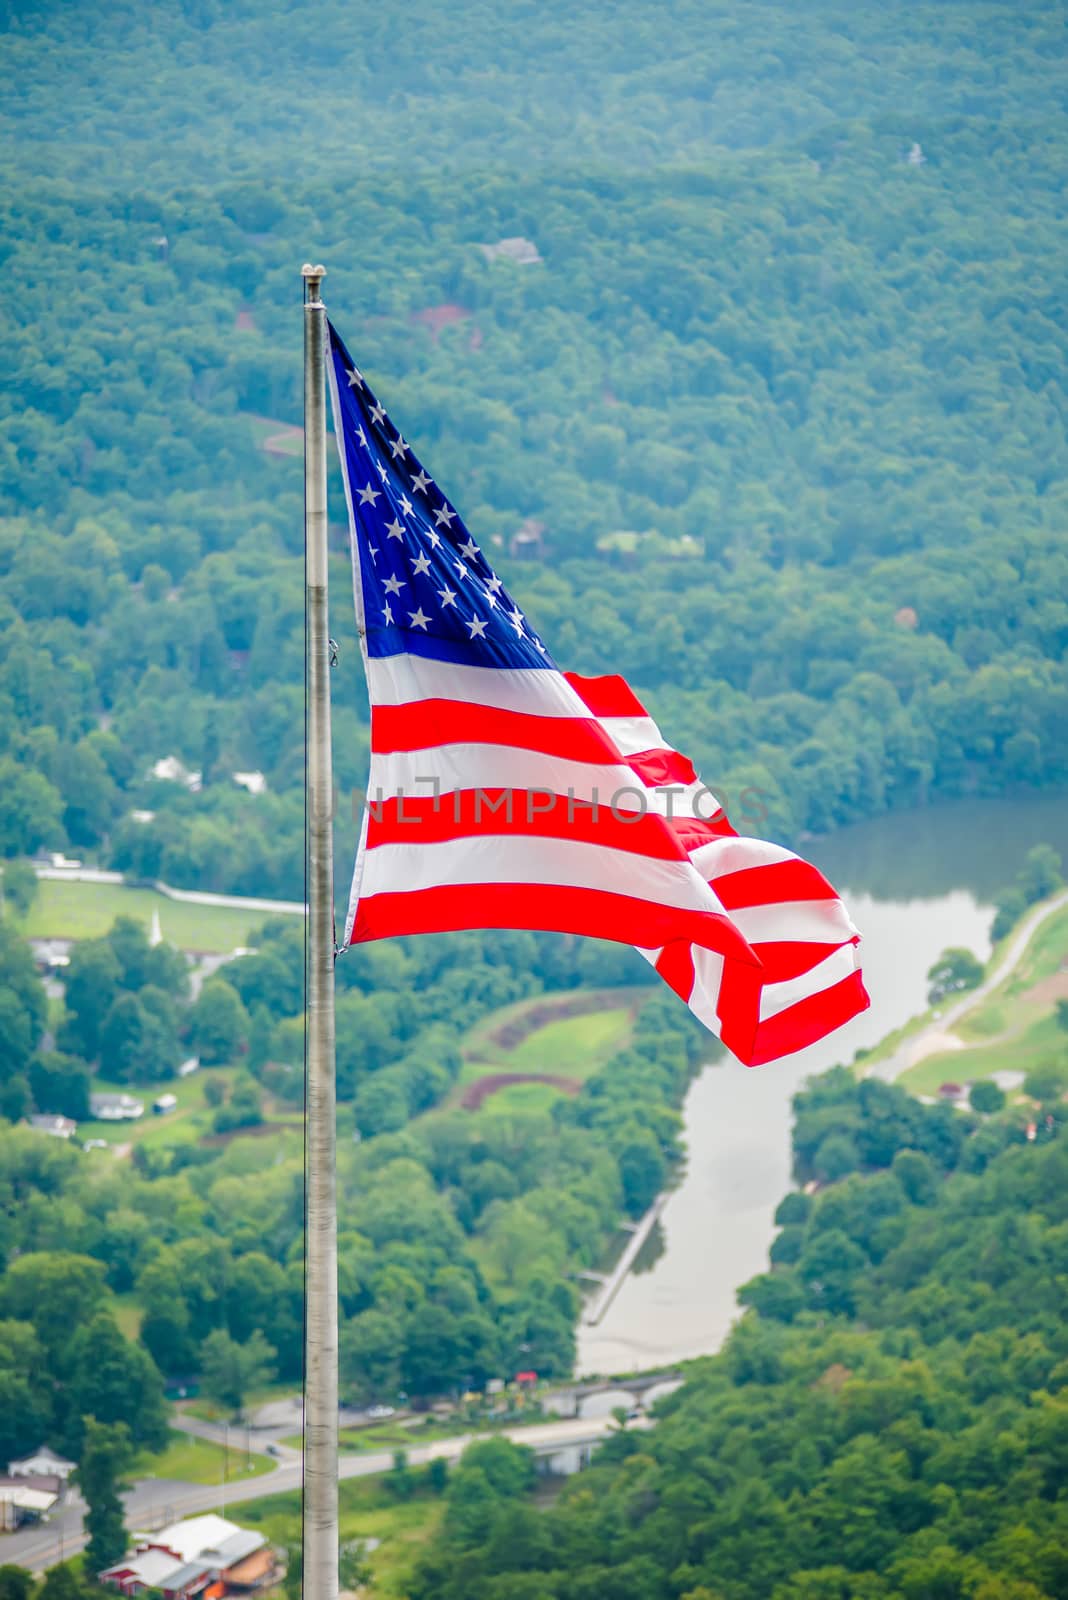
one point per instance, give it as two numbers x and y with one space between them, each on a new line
782 959
693 832
773 882
555 907
607 697
421 724
656 767
535 814
675 966
809 1020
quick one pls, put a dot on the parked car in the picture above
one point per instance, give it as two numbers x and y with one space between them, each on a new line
380 1413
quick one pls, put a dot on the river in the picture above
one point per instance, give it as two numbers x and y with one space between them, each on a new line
915 883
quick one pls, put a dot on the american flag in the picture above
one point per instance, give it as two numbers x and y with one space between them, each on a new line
506 793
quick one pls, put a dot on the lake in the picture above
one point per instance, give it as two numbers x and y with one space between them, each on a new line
915 883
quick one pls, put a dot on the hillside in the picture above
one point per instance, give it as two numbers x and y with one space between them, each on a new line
785 398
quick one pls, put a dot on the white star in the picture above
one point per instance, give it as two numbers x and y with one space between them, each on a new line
491 600
434 537
539 646
421 564
443 516
362 437
388 614
421 481
516 619
372 551
493 583
394 585
378 413
406 505
380 469
448 596
355 379
478 627
398 447
395 529
470 549
419 619
368 496
461 570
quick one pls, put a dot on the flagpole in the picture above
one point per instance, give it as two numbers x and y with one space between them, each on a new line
320 1515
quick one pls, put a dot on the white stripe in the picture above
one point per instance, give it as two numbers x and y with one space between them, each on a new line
720 856
633 735
497 766
570 863
405 679
795 921
777 997
704 997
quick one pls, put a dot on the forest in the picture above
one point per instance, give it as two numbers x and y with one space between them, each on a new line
775 425
766 412
888 1422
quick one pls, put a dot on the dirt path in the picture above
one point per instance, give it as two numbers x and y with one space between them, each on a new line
482 1088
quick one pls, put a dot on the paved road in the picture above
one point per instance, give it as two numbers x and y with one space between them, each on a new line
930 1039
154 1502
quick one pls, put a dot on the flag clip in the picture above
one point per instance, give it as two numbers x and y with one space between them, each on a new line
332 646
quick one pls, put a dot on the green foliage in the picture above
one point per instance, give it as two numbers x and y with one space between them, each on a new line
954 971
20 885
230 1370
105 1456
1047 1082
218 1023
986 1097
904 1444
1039 876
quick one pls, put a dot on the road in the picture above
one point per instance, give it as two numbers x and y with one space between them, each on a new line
154 1502
932 1038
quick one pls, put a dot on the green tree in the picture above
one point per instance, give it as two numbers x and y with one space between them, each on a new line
955 970
20 886
230 1370
114 1381
105 1456
218 1023
986 1097
642 1171
30 813
91 990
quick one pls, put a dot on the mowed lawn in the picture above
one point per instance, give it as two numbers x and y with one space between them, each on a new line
190 1460
567 1046
63 910
1042 1042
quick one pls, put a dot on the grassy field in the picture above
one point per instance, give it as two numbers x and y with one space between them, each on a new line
63 910
1039 1043
368 1510
189 1123
191 1460
1015 1028
571 1045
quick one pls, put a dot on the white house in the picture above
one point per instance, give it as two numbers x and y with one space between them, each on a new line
42 1463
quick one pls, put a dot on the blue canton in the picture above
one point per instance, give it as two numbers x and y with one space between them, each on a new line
427 588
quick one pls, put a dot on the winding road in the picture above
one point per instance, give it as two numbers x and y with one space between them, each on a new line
155 1502
933 1037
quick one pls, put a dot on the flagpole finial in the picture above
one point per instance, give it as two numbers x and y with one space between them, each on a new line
313 277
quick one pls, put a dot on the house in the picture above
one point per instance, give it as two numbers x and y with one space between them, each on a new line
522 251
115 1107
58 1127
27 1499
165 1103
42 1463
205 1556
51 955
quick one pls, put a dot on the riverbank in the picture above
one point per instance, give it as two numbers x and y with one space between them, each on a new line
932 1034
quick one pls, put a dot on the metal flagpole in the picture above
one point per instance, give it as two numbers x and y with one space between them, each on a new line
320 1292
